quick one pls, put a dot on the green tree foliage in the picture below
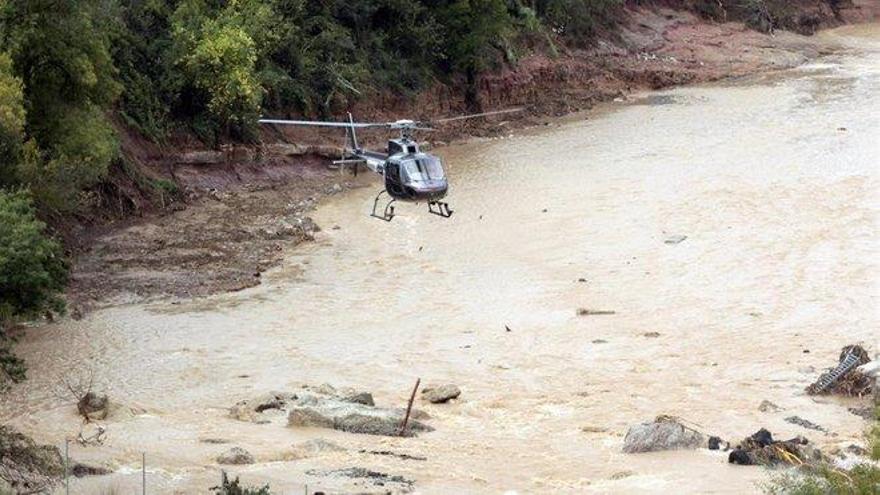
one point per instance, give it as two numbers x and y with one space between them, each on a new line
578 20
12 120
60 51
32 273
141 49
475 31
215 49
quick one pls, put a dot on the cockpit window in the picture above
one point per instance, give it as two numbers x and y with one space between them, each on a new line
424 168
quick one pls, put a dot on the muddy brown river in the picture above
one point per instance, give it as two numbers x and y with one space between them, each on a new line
773 180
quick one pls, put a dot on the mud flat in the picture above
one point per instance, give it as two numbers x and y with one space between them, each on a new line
770 187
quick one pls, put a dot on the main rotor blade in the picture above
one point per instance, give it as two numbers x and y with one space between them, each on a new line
314 123
475 115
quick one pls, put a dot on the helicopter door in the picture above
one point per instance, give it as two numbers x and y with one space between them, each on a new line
393 183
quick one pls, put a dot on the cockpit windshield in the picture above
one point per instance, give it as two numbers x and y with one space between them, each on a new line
424 168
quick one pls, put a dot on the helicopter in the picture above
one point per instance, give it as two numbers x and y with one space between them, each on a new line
408 173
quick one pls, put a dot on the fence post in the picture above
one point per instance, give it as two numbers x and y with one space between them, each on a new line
67 466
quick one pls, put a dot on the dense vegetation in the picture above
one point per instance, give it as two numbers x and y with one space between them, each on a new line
32 274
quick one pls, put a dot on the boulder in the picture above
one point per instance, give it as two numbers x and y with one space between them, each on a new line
441 394
93 406
767 406
352 417
235 455
251 409
664 433
345 394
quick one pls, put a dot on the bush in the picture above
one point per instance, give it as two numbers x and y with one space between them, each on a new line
32 274
233 487
580 20
863 479
12 120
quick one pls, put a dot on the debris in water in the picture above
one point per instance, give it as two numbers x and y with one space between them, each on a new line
767 406
622 474
863 412
797 420
507 328
81 470
651 335
405 457
715 443
761 450
845 379
594 312
856 450
600 341
215 441
675 239
312 448
375 477
594 429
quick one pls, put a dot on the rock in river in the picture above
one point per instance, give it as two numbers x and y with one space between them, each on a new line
93 406
441 394
664 433
235 455
331 412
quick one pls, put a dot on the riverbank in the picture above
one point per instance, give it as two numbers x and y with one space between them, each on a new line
237 209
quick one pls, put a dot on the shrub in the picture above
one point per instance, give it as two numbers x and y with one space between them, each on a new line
234 487
863 479
32 274
580 20
12 119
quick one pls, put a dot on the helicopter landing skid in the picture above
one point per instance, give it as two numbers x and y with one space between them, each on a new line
388 212
439 208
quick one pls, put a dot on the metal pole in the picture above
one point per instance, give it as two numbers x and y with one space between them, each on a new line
67 466
144 473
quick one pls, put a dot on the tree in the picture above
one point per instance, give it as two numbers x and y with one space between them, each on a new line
12 120
474 31
216 48
33 273
60 51
578 20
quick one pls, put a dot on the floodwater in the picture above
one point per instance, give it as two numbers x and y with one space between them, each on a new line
774 182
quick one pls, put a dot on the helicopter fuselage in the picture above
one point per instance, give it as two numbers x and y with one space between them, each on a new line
408 173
